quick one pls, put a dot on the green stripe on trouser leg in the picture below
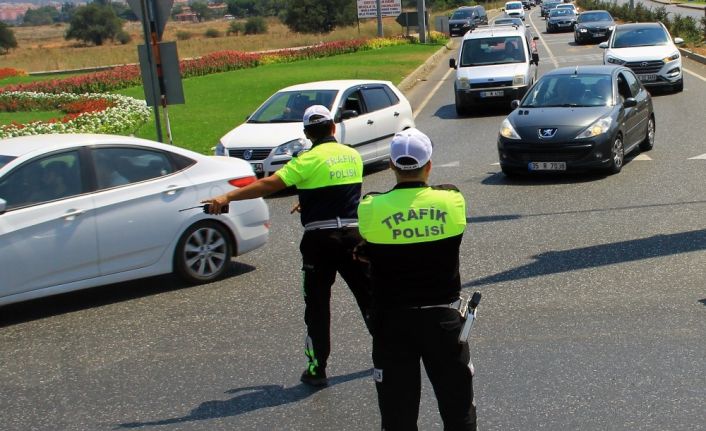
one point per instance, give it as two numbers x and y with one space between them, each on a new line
312 362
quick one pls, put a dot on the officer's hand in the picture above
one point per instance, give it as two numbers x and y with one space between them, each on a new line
216 205
296 208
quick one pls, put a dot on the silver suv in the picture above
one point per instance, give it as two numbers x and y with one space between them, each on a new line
496 65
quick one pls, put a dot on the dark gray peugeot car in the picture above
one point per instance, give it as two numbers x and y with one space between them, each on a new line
577 118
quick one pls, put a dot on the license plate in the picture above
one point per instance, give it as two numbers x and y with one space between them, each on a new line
647 78
564 24
598 34
257 167
497 93
547 166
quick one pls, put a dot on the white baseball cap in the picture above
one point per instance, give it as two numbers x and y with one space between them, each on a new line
316 114
411 144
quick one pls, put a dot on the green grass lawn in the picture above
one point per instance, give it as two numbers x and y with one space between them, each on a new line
25 117
217 103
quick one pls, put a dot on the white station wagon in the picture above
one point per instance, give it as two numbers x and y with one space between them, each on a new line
367 114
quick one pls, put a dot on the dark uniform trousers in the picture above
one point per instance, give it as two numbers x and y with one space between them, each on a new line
325 252
401 338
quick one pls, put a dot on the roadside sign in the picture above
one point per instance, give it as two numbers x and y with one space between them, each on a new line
163 11
407 19
368 8
170 74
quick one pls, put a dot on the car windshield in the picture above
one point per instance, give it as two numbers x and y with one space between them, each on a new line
570 91
492 50
289 106
513 6
5 160
462 14
595 16
560 12
646 36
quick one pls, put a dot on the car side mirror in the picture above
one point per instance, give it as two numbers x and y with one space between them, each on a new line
502 9
603 45
452 63
535 38
515 104
3 206
535 58
630 102
678 40
527 26
349 113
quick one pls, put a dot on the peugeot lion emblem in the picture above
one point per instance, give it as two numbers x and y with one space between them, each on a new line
247 154
546 133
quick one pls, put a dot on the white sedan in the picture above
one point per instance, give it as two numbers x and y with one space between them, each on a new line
78 211
367 114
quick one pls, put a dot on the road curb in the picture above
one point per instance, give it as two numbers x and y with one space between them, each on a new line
422 71
693 56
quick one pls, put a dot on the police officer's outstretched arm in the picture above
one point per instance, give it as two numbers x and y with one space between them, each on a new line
260 188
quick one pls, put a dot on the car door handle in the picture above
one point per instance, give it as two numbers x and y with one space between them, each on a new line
397 114
370 121
173 189
71 214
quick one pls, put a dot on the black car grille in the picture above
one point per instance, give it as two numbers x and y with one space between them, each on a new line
567 22
548 153
257 153
492 84
597 30
645 66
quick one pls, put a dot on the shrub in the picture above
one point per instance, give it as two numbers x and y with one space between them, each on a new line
123 37
183 35
255 25
235 28
212 33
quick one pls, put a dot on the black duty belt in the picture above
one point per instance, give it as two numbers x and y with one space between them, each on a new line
335 223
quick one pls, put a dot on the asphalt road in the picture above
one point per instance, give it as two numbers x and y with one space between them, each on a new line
593 313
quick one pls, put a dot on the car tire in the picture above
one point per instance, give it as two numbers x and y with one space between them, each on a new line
679 86
649 142
461 110
203 252
617 155
511 172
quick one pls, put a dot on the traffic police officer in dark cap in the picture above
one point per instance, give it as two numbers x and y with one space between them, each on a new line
412 238
328 178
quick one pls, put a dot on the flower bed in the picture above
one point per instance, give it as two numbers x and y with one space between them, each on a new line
6 72
85 113
222 61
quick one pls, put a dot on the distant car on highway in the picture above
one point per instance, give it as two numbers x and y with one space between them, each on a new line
577 118
648 49
514 9
548 5
466 18
78 211
517 22
593 25
367 114
561 20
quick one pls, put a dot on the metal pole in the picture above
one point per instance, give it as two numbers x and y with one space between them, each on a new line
421 18
153 68
378 6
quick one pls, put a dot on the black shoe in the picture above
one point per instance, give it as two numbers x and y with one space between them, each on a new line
318 380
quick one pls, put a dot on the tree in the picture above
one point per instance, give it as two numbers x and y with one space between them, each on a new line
201 10
94 23
7 38
255 25
40 16
318 16
67 11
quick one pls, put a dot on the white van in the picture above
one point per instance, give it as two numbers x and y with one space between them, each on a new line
514 9
495 65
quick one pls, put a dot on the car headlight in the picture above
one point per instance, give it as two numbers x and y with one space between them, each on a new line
463 84
583 30
507 131
611 28
614 60
220 150
599 127
290 148
518 80
671 57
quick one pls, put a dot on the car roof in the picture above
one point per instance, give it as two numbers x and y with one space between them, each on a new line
339 84
23 145
585 70
490 31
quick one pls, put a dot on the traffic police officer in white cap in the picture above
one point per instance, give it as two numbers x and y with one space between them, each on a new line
412 237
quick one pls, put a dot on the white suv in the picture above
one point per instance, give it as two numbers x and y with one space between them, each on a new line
647 49
515 9
495 65
367 114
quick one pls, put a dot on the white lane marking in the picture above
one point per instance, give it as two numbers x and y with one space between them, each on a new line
694 74
450 165
541 39
431 94
701 157
642 157
580 59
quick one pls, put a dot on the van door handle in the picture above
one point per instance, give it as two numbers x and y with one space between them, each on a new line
397 114
71 214
370 121
173 189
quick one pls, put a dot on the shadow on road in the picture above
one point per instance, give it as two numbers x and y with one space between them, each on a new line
554 262
703 301
13 314
249 399
448 112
